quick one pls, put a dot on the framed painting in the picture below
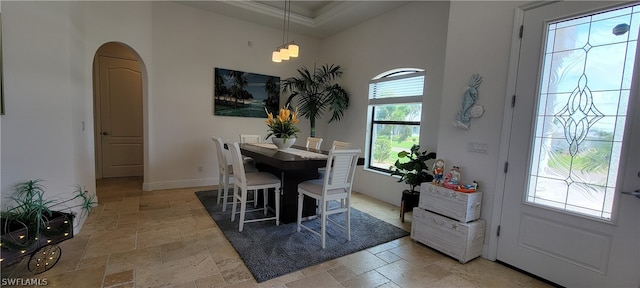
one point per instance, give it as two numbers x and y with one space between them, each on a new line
245 94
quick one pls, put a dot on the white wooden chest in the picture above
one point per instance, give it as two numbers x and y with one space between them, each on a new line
462 241
464 207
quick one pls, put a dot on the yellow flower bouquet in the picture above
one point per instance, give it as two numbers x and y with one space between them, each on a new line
283 125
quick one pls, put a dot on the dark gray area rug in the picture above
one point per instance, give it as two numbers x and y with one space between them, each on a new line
270 251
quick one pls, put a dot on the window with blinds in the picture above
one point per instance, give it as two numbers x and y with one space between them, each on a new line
395 110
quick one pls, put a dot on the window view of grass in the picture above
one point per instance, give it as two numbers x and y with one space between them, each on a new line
386 147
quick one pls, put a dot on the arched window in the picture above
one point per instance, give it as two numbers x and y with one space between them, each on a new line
395 110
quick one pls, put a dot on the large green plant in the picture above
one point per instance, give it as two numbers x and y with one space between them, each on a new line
414 169
317 93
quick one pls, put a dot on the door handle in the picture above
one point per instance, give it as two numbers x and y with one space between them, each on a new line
105 133
635 193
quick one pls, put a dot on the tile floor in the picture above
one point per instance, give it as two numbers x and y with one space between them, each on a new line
166 238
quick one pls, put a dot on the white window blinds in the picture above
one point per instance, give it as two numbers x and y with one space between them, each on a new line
405 87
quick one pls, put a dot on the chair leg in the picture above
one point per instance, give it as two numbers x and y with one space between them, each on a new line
323 223
276 196
265 197
300 200
348 218
235 202
225 187
220 176
243 209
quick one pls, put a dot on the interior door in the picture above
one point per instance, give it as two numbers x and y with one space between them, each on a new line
120 93
573 147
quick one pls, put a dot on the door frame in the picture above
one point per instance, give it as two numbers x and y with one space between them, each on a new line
503 155
96 112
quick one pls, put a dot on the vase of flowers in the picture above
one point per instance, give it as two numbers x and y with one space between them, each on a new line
283 128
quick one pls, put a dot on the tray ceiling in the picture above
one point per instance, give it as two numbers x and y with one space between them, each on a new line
313 18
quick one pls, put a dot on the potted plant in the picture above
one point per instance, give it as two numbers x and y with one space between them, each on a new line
282 127
413 170
35 222
316 93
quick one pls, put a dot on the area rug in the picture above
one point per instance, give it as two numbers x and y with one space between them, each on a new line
270 251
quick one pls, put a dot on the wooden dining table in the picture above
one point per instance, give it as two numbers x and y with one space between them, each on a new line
293 167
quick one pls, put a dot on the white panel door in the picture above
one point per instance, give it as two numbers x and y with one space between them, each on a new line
121 117
574 147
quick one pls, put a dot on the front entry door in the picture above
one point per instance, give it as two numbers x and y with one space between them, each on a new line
120 93
574 147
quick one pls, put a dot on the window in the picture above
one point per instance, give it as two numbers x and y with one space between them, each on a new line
582 110
395 110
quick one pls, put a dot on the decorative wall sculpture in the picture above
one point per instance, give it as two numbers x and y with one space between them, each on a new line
469 108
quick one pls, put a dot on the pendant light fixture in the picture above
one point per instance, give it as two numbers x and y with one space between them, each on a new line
288 49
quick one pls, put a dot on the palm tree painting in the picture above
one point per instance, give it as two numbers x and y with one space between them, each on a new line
244 94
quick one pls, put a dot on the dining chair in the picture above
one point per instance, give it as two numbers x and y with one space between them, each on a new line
334 145
340 145
313 142
225 171
244 182
250 138
341 165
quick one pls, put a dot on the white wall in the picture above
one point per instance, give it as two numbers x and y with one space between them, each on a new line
37 140
187 44
411 36
477 43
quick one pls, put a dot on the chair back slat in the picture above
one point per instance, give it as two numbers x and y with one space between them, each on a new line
236 159
222 156
341 167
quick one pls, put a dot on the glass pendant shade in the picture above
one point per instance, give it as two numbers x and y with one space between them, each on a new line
275 57
288 50
284 53
293 50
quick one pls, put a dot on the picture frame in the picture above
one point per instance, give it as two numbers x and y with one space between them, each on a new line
245 94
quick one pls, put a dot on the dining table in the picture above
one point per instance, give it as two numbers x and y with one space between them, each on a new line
293 165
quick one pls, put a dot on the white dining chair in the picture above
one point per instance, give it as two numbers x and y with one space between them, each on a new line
340 145
244 182
341 165
250 138
313 142
225 171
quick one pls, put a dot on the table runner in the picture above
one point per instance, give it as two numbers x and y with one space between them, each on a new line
294 151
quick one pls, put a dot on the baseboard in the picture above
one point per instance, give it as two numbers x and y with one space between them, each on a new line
150 186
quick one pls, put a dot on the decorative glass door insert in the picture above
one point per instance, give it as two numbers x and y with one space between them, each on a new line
582 107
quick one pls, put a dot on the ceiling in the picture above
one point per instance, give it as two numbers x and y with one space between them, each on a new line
317 19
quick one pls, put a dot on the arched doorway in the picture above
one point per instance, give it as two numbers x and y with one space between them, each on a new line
118 112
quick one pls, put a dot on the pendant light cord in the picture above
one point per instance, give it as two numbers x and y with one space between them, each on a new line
288 17
284 23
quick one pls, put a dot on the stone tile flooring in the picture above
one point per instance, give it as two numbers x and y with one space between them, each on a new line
165 238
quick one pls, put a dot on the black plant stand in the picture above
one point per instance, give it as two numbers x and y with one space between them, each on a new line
410 199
